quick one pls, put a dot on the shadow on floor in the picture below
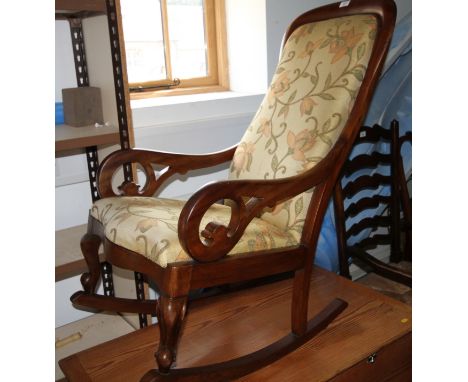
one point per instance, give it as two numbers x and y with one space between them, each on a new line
388 287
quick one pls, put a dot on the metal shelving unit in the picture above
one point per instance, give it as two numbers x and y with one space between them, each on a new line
68 259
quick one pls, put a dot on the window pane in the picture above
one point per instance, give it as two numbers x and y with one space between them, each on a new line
144 42
187 36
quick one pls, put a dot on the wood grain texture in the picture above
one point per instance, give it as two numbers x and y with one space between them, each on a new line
243 365
388 364
81 5
220 328
66 9
95 329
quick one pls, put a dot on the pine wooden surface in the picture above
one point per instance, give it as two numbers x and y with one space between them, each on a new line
222 327
92 330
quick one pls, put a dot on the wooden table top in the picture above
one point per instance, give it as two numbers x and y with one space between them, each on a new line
223 327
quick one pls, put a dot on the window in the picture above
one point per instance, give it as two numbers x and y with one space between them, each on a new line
174 44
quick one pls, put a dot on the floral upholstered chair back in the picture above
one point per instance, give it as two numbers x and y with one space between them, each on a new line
306 107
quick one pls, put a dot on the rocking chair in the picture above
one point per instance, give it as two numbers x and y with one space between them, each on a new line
282 175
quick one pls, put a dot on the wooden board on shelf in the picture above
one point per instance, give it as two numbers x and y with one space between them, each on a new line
69 137
227 326
79 8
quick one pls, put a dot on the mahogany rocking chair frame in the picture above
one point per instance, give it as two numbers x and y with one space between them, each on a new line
210 265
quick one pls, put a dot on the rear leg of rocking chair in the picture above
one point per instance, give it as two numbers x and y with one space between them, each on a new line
90 248
300 302
170 313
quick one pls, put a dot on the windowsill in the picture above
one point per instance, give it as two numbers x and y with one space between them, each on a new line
188 98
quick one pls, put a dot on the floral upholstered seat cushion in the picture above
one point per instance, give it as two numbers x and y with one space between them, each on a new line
148 226
306 107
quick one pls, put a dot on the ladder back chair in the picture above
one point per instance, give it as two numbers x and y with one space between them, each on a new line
368 199
282 175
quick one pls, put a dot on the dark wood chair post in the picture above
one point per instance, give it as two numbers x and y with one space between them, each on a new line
395 249
340 219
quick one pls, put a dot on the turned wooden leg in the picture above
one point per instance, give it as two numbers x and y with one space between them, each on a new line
170 313
90 248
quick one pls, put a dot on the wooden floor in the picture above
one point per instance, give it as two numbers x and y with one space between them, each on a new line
223 327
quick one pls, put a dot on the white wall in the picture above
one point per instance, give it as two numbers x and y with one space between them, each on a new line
246 31
64 64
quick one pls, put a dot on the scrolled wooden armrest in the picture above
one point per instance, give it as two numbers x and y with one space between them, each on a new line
249 198
174 163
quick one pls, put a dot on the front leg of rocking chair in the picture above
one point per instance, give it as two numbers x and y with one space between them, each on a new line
170 313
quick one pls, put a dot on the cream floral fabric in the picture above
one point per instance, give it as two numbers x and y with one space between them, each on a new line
306 107
149 226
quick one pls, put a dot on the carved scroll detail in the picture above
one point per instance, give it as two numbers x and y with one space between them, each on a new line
173 164
249 198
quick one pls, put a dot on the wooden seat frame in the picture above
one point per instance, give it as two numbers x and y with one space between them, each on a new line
210 265
396 201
